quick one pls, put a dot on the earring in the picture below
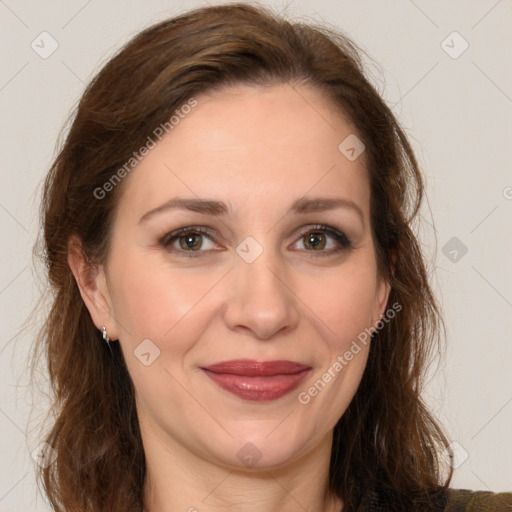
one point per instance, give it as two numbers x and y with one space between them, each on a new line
107 339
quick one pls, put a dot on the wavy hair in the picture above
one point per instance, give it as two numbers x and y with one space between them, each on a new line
387 448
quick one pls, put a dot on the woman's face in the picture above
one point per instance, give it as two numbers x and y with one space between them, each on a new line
274 262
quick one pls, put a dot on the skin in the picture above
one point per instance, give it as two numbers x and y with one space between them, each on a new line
258 150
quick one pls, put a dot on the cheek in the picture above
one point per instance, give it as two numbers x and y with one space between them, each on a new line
151 300
343 301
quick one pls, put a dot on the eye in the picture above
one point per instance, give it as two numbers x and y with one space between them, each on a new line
189 240
323 239
194 241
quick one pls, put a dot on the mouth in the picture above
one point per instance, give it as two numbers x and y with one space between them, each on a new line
257 381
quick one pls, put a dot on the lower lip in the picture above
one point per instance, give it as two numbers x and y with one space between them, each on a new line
258 389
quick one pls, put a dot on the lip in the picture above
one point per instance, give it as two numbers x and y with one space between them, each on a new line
257 380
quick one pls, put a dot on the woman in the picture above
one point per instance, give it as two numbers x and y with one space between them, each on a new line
242 314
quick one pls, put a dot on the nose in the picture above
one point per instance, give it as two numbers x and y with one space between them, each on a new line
261 300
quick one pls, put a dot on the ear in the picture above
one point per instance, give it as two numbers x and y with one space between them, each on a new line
92 283
381 299
383 291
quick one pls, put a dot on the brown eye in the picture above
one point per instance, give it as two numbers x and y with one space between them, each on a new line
191 241
322 239
315 241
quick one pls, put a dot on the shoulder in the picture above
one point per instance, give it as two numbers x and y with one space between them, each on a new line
464 500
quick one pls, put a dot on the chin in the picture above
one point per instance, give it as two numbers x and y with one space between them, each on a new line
256 451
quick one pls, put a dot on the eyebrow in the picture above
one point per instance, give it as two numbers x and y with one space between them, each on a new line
303 205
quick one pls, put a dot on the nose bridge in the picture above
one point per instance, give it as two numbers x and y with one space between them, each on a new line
260 300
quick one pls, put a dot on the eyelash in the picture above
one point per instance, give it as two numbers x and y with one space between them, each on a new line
340 237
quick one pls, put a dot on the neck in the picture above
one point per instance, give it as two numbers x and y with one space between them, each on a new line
177 479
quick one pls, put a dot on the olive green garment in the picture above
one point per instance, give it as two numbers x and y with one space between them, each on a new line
463 500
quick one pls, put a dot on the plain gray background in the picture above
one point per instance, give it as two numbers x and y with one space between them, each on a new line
455 105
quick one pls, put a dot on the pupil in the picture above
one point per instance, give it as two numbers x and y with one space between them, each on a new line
191 241
316 241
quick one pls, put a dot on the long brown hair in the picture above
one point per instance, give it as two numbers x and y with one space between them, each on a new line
386 449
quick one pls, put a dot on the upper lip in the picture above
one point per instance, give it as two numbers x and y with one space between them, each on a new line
251 368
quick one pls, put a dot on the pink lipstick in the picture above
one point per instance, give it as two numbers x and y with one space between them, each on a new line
257 381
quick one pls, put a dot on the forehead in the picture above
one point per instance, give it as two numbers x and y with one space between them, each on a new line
246 144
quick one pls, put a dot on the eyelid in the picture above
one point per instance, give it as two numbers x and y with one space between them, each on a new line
337 234
204 230
171 237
